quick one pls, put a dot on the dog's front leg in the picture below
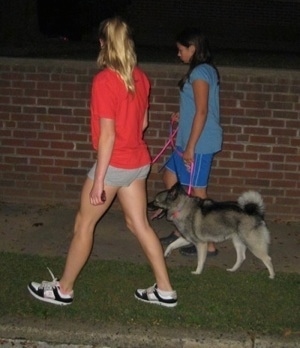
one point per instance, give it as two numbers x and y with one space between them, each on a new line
178 243
240 249
201 254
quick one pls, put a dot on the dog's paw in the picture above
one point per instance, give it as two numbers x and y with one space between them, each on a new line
231 269
196 272
167 254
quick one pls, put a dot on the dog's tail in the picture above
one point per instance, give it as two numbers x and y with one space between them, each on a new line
252 203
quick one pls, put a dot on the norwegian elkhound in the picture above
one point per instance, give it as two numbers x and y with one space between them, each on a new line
200 221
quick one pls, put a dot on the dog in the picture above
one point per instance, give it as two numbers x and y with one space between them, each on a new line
200 221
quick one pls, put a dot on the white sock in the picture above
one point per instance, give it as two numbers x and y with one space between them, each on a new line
64 294
165 294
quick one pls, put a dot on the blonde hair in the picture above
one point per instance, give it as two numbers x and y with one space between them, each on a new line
117 50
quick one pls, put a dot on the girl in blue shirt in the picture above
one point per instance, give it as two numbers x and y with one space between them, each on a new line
199 135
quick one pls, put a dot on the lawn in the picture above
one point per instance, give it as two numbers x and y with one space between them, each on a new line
216 300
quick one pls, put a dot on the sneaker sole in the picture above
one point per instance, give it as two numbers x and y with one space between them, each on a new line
48 300
169 305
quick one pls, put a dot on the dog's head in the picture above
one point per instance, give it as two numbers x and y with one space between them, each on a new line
170 199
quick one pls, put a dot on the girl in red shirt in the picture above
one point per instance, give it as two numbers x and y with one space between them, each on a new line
119 104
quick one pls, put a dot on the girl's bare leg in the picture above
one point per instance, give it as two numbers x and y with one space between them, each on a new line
82 242
133 201
169 179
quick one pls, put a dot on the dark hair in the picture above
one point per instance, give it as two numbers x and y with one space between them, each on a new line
202 55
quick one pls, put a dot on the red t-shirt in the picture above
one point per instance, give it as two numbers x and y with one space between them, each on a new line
110 99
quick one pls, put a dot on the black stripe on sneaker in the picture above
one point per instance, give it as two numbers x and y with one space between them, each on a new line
61 299
161 299
142 295
39 292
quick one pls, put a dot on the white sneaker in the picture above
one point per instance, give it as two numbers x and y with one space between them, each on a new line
50 292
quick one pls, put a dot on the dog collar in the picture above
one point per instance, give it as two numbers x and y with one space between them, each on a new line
176 213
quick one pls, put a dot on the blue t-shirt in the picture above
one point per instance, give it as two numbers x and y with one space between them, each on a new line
210 140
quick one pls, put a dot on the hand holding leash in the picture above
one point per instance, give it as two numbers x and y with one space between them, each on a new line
188 159
175 117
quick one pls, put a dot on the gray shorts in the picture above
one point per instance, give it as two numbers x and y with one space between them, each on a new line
121 177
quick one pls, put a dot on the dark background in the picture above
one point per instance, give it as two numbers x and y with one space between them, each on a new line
264 31
76 20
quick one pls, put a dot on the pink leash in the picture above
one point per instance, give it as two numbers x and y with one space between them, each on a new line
170 141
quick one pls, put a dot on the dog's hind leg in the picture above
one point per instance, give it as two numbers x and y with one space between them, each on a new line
201 254
178 243
261 252
240 249
259 248
266 259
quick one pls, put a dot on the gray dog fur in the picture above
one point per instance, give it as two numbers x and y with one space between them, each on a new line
200 221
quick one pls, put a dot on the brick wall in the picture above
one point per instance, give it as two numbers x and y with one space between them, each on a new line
45 144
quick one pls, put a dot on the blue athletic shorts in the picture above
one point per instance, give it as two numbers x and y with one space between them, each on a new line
201 171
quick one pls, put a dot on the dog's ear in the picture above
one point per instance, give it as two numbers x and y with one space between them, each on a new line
174 191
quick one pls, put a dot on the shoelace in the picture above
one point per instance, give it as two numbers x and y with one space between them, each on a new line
151 289
49 284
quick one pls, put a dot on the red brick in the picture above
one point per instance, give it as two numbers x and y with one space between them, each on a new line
50 136
35 93
280 106
25 151
37 143
24 85
53 153
286 114
38 77
63 77
232 111
230 94
74 86
60 111
252 104
276 88
258 112
258 165
262 139
50 170
12 76
61 94
49 102
249 87
256 130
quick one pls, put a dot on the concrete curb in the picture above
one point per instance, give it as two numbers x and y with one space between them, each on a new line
18 336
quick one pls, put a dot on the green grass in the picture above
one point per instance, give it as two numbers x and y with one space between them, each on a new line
216 300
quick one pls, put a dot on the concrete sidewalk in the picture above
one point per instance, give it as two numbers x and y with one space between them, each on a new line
48 230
